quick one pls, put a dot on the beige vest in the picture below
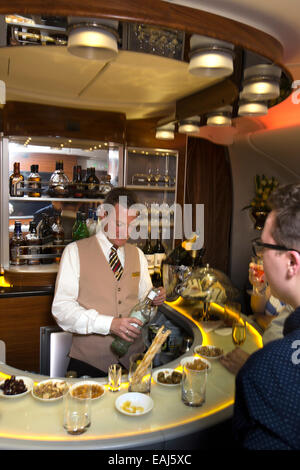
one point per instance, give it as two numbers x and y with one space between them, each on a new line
99 290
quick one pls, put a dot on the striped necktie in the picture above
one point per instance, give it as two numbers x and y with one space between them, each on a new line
115 263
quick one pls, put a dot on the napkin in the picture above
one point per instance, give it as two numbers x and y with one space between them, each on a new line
224 331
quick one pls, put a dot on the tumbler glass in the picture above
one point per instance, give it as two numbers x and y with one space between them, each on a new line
77 410
140 375
193 386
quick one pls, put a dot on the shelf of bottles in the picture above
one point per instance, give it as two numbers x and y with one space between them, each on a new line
61 205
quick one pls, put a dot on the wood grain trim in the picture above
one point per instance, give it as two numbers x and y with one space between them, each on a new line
158 13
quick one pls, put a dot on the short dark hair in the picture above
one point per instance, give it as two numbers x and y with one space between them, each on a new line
285 202
113 197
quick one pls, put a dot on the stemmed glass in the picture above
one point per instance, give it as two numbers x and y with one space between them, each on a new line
238 331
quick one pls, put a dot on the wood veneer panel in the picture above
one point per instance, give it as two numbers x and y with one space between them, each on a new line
157 13
41 120
20 322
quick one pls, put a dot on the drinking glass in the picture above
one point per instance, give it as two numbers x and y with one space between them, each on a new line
239 331
257 274
114 377
77 411
193 386
139 382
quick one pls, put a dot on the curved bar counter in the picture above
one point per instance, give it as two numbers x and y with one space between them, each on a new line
27 423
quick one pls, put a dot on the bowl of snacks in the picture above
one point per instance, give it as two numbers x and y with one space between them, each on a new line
134 404
15 386
50 390
209 351
87 388
167 377
196 363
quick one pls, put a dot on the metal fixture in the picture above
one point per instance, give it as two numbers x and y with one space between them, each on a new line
210 57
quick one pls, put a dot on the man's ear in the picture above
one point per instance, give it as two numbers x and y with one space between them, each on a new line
293 263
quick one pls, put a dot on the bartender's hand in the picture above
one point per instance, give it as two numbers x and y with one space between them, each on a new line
161 297
234 360
124 327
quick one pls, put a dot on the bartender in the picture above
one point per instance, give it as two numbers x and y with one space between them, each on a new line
100 279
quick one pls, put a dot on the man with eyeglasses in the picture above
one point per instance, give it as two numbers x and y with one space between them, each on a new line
267 402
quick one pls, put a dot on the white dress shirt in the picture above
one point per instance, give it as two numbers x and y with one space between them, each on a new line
71 316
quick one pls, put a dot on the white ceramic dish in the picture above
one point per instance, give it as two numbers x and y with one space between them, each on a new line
197 350
28 384
134 399
53 381
88 382
188 359
167 372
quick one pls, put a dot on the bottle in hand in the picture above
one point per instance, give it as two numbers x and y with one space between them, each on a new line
142 311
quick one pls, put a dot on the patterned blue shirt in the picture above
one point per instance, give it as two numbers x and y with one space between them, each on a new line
267 401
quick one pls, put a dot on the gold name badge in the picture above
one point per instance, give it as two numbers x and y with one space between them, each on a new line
137 274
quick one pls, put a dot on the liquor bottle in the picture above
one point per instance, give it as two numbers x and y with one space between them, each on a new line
16 182
92 184
80 229
34 182
45 233
149 253
185 255
33 244
142 311
78 183
59 182
159 257
58 238
91 222
16 242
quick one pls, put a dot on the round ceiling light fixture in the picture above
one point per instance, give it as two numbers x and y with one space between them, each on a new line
255 108
165 132
220 117
190 125
90 39
261 82
210 57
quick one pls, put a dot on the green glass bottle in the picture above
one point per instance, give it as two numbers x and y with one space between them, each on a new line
80 229
142 312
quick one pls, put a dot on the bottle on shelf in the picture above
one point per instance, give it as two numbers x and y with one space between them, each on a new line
159 257
16 182
33 244
91 222
59 182
80 229
142 311
45 233
92 184
149 252
34 182
78 185
185 255
58 238
17 244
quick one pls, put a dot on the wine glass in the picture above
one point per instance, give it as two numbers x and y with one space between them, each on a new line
238 331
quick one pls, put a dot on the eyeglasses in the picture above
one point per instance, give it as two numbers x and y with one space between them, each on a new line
258 247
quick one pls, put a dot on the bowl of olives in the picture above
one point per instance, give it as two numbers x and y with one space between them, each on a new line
15 386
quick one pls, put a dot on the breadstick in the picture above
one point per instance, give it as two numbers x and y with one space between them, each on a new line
159 339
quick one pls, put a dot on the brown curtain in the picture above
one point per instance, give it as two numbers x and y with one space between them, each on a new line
208 182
